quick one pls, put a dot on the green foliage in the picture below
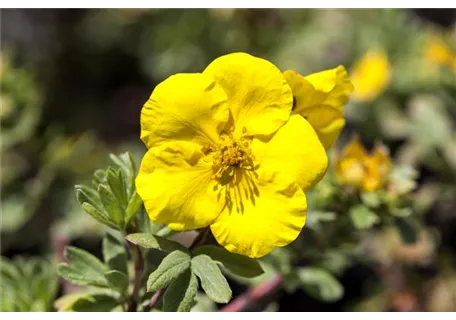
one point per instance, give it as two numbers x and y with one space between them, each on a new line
113 201
83 268
96 301
320 284
27 285
114 254
362 217
212 281
174 264
181 293
235 263
149 241
117 280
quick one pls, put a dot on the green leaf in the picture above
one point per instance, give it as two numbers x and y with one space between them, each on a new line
117 280
117 185
212 280
8 270
408 230
169 269
181 293
125 161
280 259
371 199
82 268
401 212
111 205
320 284
87 302
114 254
362 217
134 204
165 232
149 241
86 194
99 177
235 263
98 215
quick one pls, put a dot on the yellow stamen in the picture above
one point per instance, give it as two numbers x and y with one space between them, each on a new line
231 154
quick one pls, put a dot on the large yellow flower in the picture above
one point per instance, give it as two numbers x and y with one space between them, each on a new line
224 152
320 98
362 170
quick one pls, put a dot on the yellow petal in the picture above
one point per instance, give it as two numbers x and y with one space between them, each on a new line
354 149
350 167
295 150
187 107
175 184
377 166
320 98
259 98
371 75
273 217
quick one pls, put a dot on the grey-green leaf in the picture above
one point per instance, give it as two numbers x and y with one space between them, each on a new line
134 204
95 303
165 232
86 194
320 284
117 185
149 241
125 161
98 215
181 293
82 268
169 269
114 253
235 263
111 204
117 280
362 217
211 278
371 199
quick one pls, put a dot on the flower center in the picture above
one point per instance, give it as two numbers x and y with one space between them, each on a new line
229 155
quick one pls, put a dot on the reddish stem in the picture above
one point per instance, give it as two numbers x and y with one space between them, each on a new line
254 294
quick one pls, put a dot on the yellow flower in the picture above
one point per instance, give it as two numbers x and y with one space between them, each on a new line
371 75
439 53
362 170
320 98
224 152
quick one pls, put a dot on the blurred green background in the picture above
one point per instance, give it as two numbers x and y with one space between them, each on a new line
73 83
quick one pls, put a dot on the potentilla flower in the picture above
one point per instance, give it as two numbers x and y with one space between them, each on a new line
371 75
357 168
226 152
320 99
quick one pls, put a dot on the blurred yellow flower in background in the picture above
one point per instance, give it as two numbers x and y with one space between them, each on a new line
437 52
355 167
320 98
371 75
226 152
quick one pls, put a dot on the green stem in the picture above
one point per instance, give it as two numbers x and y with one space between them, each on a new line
139 269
